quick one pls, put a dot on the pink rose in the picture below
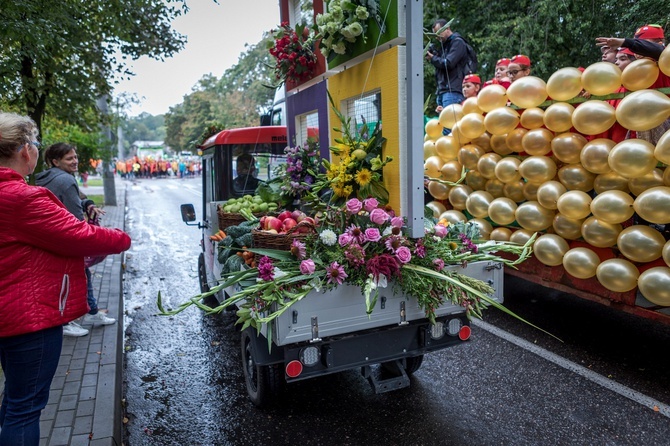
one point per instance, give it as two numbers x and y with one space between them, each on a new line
354 206
372 235
307 266
370 203
403 254
440 231
439 264
345 239
397 222
378 216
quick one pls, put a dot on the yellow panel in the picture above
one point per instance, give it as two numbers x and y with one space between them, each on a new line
362 78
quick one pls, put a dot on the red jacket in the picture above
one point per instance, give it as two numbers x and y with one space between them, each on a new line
42 249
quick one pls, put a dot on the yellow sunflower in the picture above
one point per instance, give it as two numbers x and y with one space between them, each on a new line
363 177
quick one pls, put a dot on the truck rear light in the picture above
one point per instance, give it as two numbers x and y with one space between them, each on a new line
454 326
437 330
309 356
464 333
294 369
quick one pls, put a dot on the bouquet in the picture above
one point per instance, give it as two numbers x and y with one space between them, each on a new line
299 172
345 21
293 53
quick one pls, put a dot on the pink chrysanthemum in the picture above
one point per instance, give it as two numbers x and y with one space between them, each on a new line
335 273
420 249
357 233
298 249
439 264
393 242
265 269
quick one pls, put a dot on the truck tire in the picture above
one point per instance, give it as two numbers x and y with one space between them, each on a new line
263 381
202 274
413 364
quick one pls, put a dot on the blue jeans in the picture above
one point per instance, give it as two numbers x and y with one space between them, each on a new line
448 98
29 362
92 303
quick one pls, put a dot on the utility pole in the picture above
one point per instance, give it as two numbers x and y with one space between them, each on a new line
107 167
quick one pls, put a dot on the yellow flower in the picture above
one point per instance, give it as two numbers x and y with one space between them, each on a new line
363 177
347 190
331 173
340 191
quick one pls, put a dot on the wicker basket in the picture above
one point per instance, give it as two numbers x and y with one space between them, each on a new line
229 219
268 240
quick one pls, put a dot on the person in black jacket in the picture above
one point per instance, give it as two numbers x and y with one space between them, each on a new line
449 57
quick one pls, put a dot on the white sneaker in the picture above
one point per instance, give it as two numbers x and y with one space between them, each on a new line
99 318
74 329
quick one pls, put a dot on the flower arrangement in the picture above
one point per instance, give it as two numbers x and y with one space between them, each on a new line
299 172
293 53
345 21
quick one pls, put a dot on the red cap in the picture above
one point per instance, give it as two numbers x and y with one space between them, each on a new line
504 61
650 32
521 60
472 78
625 51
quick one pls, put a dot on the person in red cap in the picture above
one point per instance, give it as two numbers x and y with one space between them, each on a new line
608 54
649 42
652 33
471 85
519 66
624 56
501 74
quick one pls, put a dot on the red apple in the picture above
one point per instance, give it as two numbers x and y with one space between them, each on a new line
284 215
298 215
272 223
308 220
288 224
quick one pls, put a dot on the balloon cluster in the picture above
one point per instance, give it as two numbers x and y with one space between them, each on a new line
527 169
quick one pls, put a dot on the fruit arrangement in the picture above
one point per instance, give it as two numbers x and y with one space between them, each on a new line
286 221
253 204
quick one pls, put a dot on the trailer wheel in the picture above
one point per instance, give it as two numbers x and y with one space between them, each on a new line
263 381
413 364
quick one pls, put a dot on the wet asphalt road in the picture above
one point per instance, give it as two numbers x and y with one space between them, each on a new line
184 384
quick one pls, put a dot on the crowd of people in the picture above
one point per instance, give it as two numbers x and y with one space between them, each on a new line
157 168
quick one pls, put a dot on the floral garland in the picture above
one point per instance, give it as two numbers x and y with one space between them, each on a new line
343 24
295 59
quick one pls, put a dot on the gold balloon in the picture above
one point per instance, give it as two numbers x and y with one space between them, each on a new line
458 195
475 180
567 147
632 158
527 92
501 211
601 78
447 148
532 118
548 194
514 139
514 191
641 184
507 169
450 115
599 233
654 285
492 97
521 236
654 205
437 208
483 142
581 262
469 155
640 243
501 120
666 177
643 110
499 145
568 228
472 125
495 187
452 171
664 61
429 149
434 129
460 138
612 206
537 142
501 234
565 84
575 177
432 166
530 215
484 226
639 74
487 164
530 190
558 117
478 203
574 204
537 169
666 253
594 155
470 106
617 275
610 181
662 150
550 249
453 216
438 190
594 116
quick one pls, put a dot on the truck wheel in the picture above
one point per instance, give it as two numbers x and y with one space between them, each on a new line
263 381
202 274
413 364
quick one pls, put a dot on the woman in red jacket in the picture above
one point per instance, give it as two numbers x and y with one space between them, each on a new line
42 281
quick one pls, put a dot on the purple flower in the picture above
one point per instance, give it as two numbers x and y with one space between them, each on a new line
440 231
298 249
378 216
439 264
354 206
369 204
372 235
345 239
393 242
335 273
467 244
420 249
357 233
355 255
403 254
397 222
265 269
307 266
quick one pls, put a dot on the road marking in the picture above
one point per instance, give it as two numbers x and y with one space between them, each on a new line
592 376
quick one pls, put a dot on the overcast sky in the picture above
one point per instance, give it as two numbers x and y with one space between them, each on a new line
216 38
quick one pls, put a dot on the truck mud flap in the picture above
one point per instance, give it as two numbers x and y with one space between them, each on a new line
381 384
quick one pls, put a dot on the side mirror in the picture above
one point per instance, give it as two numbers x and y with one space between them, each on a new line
187 213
